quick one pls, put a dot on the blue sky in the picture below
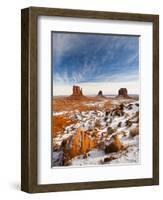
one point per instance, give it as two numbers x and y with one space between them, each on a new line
95 60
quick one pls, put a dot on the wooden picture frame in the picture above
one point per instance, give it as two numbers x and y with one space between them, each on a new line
29 96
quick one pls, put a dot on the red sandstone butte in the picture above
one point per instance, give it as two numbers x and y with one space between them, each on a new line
77 93
122 92
100 94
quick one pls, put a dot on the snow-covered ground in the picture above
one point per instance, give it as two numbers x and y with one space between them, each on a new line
121 119
98 156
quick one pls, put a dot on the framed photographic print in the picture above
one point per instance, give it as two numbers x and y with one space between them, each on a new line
90 99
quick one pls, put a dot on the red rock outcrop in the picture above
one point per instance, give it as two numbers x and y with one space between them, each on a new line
114 146
122 92
77 93
100 94
81 143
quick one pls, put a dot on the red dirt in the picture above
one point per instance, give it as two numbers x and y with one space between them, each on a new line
59 123
63 104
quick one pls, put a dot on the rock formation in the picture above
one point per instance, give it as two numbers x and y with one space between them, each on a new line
122 92
114 146
79 144
100 94
77 93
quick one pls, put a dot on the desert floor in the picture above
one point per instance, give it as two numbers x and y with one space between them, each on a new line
95 131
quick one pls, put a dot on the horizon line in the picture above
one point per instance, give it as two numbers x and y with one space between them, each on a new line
97 94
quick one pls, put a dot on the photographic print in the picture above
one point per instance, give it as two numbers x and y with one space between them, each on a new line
95 99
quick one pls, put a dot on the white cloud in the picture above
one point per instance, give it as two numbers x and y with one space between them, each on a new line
65 42
61 79
118 77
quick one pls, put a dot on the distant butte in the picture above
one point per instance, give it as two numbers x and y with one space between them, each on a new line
77 93
100 94
122 92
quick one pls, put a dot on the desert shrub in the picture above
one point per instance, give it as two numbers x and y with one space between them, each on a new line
101 145
97 124
121 106
110 130
134 132
119 124
129 107
108 159
128 123
115 146
106 113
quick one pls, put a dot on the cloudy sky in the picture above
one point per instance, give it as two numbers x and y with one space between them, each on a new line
95 62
